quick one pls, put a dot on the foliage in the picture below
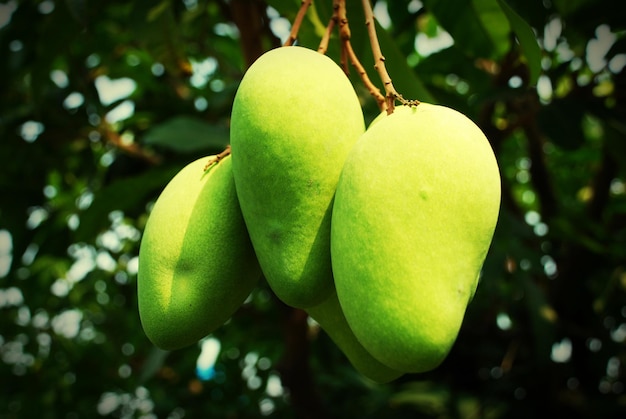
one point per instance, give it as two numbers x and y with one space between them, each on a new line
101 102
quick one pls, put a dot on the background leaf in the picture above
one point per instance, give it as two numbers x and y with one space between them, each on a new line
527 40
185 134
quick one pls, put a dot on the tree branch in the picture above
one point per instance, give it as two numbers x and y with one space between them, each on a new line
294 367
248 15
113 137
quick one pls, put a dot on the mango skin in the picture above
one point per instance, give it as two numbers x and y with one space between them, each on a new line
294 119
329 315
196 261
414 214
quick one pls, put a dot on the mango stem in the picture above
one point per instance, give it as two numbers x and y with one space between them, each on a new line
347 52
379 63
212 160
295 27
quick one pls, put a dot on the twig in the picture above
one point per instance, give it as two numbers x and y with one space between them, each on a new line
379 62
341 17
293 35
115 139
217 158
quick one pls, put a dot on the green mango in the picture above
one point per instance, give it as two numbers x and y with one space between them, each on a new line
294 119
329 315
196 261
414 215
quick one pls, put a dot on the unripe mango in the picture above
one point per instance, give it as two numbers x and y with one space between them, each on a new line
330 317
414 214
196 261
295 117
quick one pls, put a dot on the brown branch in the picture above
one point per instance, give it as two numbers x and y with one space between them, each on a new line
294 366
341 16
379 62
249 17
295 27
115 139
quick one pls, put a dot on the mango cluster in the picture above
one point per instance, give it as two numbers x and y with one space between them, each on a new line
379 234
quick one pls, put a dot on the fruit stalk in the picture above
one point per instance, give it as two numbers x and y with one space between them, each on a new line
347 52
323 47
293 35
374 91
379 63
217 158
341 17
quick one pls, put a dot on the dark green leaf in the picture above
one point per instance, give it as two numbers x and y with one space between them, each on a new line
461 20
185 134
527 40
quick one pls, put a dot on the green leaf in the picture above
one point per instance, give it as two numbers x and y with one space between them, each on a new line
154 362
527 40
185 134
462 21
495 23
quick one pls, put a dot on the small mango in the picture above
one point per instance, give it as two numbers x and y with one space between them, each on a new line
196 261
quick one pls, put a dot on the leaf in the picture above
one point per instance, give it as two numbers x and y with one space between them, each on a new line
461 20
157 11
156 30
185 134
495 23
154 362
527 40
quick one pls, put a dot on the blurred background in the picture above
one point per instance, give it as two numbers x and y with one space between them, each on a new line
102 102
